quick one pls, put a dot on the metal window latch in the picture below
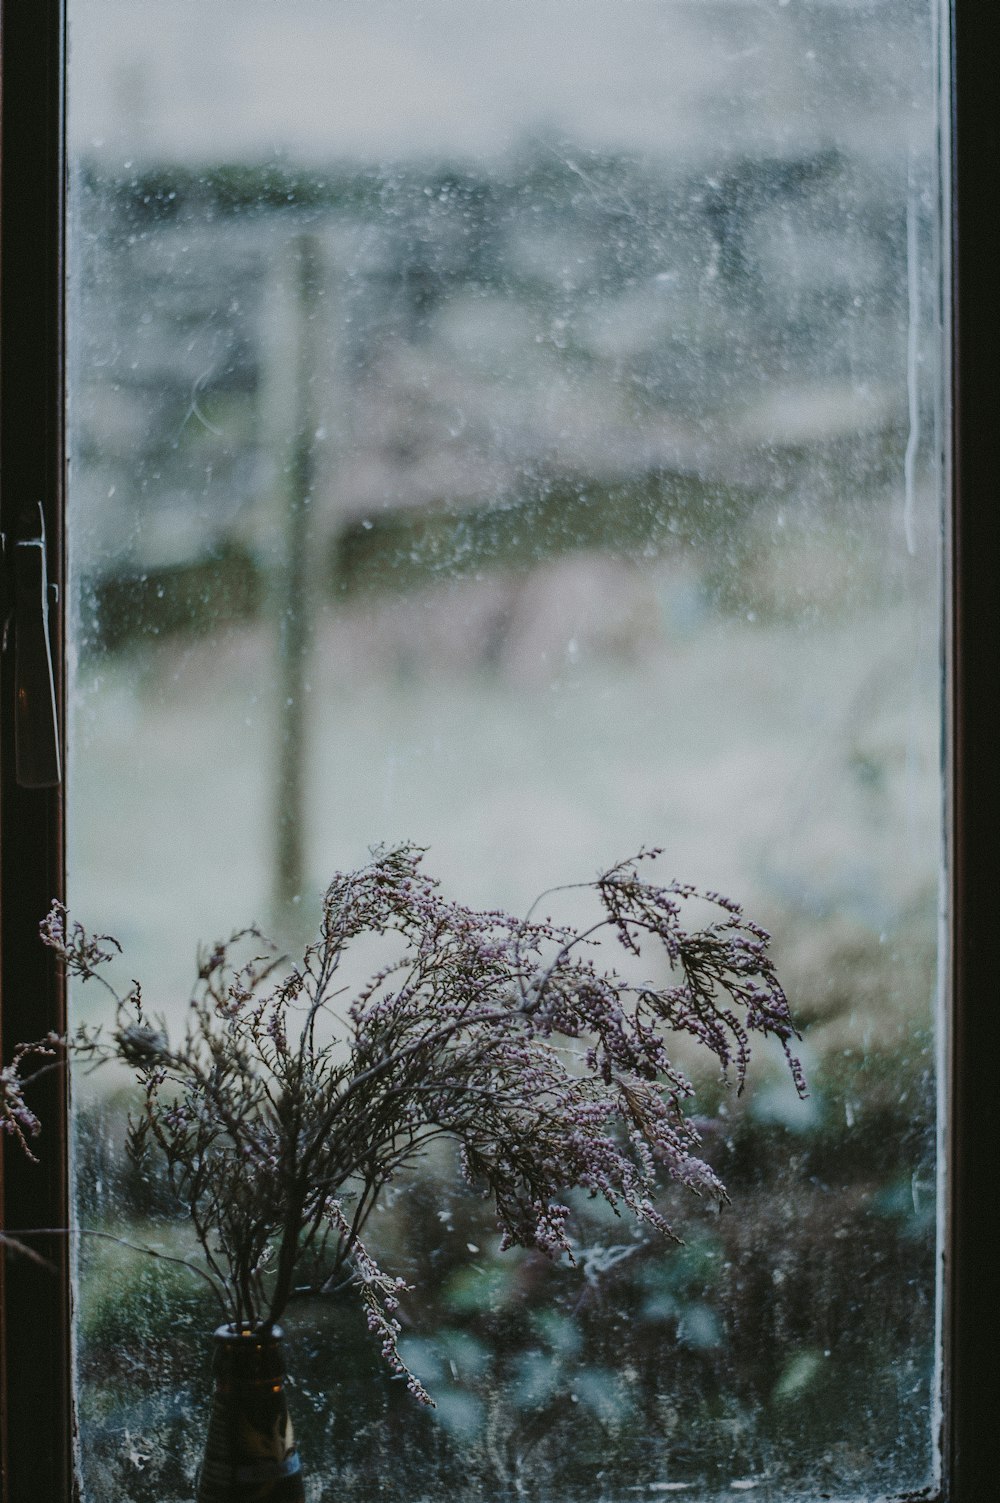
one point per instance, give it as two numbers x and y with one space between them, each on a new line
27 596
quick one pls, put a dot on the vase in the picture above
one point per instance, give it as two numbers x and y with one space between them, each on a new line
250 1451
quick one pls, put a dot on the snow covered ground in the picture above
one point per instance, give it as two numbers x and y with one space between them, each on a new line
790 761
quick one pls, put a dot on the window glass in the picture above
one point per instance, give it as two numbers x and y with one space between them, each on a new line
517 428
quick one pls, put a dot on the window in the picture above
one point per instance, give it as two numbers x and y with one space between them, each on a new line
445 318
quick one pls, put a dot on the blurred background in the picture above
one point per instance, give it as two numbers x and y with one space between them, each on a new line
518 428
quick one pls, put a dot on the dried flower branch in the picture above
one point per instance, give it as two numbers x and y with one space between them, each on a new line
17 1119
280 1120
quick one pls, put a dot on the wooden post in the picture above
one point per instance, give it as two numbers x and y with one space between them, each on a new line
296 595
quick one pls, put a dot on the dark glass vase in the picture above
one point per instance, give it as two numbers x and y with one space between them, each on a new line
250 1452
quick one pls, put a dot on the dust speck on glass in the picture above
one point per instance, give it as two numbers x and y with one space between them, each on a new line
517 428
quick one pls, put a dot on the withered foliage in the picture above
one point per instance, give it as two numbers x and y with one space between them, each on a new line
288 1104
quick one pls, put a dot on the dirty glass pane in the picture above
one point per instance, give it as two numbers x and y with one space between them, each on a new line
516 426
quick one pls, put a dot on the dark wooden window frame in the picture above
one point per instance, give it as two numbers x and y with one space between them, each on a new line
37 1437
35 1372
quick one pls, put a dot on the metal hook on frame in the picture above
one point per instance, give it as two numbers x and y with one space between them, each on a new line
27 597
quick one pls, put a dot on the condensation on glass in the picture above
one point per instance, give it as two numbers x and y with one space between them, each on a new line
517 427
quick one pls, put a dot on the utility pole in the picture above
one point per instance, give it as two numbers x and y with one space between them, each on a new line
296 594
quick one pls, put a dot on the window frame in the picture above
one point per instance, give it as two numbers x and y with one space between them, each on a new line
972 644
35 1354
35 1362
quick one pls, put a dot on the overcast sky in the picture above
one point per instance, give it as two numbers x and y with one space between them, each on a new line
327 79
